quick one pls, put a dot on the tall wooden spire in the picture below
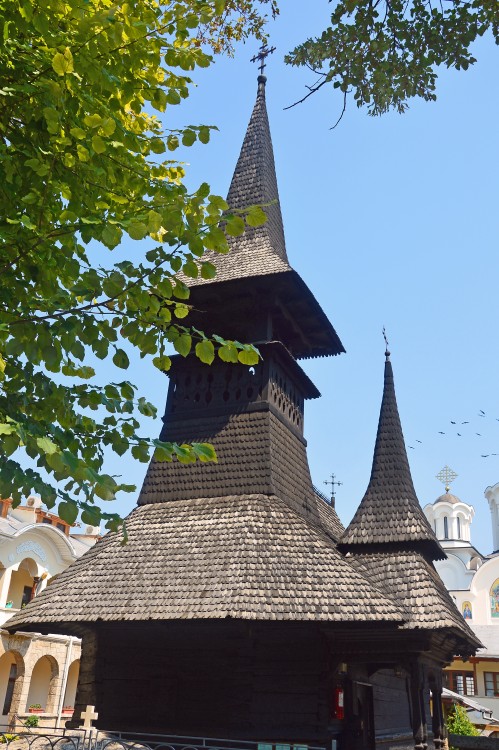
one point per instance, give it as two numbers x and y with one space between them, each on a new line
260 250
390 513
276 304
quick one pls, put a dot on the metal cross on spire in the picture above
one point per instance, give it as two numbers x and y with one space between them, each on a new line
446 476
263 53
334 483
387 351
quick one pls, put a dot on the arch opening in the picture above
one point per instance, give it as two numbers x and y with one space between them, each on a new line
43 683
71 685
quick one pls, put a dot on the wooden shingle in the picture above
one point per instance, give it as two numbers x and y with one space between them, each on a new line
389 512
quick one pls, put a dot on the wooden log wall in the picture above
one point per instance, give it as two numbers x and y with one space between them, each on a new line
86 693
237 680
391 702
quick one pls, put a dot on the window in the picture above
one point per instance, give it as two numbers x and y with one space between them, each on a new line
460 682
27 591
446 527
10 689
47 520
61 527
491 683
459 528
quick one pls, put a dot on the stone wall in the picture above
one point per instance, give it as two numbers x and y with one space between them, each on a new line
41 671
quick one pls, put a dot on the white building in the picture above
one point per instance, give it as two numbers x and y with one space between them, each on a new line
472 578
35 670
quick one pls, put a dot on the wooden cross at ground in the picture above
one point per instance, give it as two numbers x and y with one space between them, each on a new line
262 55
88 716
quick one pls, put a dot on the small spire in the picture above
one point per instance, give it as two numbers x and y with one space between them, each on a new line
263 248
390 513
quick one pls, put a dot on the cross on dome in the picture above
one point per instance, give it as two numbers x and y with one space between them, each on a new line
446 476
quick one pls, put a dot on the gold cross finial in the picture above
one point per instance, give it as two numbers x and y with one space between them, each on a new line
446 476
262 54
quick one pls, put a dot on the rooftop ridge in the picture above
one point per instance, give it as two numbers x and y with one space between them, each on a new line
389 512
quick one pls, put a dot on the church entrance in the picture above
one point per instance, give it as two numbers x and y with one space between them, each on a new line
362 726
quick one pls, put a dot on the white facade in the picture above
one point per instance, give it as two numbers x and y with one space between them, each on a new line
35 670
492 495
473 582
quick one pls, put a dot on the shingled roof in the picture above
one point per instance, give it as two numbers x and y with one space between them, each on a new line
261 250
246 557
414 583
390 513
260 254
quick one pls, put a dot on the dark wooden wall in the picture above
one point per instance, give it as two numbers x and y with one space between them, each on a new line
225 680
391 702
261 681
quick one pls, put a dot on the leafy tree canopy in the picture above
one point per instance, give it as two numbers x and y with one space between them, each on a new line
384 52
85 161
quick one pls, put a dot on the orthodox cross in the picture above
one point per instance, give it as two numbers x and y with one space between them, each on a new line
334 483
262 54
387 352
446 476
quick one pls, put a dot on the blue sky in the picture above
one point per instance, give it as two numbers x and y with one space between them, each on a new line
391 221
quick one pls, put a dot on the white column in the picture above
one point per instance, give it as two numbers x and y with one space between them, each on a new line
4 586
495 525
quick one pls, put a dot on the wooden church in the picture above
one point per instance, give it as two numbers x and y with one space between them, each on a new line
240 606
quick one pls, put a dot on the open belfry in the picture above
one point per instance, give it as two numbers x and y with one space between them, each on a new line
240 607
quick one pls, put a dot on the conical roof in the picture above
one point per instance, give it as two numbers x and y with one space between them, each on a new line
390 512
261 250
260 255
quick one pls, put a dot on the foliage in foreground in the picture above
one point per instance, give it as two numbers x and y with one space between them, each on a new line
385 52
85 164
459 723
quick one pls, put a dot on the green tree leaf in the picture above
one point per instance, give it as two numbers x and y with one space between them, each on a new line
256 217
248 356
63 64
68 511
183 344
205 351
120 359
46 445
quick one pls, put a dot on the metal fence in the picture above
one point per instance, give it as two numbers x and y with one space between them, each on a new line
35 738
25 738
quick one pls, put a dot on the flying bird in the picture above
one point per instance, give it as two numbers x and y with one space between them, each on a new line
441 433
419 441
453 422
411 446
482 413
477 433
458 434
468 422
485 456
